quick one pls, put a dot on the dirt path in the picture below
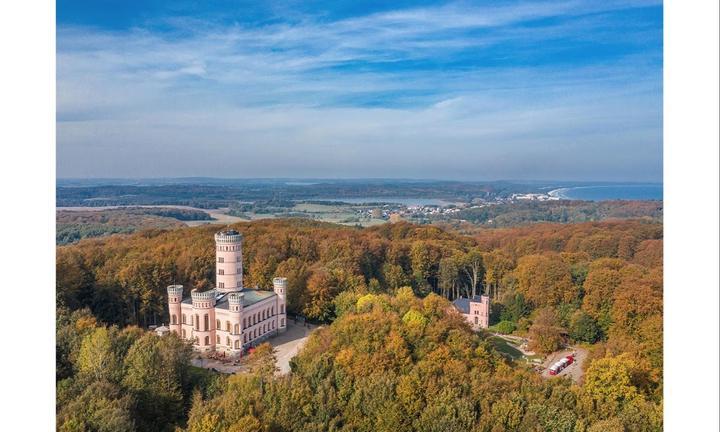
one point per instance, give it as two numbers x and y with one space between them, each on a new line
574 371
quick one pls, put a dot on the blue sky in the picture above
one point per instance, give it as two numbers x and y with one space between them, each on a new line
563 90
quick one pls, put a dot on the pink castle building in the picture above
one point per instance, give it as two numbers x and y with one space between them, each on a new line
476 310
229 317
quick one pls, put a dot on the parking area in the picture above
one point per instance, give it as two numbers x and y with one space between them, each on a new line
574 371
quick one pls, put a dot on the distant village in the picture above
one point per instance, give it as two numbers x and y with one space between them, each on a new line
396 212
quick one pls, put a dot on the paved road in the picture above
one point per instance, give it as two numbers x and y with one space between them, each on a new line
288 344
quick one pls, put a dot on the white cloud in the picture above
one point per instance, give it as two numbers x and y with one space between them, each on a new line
280 100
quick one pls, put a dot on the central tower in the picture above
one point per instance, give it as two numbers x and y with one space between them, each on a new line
228 265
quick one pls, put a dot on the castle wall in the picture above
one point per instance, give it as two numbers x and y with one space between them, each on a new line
479 316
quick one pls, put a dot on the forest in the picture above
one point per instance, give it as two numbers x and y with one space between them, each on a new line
391 357
562 211
75 225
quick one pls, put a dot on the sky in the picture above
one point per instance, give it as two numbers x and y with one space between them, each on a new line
485 90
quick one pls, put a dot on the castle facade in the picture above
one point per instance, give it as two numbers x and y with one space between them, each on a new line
229 317
476 310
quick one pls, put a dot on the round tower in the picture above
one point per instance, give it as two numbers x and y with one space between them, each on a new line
228 262
203 319
175 294
235 305
280 288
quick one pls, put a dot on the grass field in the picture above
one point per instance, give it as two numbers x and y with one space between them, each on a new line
506 348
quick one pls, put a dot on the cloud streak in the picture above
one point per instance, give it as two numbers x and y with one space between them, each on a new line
450 91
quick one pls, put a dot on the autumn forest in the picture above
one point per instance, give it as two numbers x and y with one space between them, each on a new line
390 355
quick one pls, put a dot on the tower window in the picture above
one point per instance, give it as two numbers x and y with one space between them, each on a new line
221 271
221 259
217 324
206 322
173 319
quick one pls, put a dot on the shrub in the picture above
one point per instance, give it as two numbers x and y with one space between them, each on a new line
504 327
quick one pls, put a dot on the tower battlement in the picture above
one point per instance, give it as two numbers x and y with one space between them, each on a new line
175 293
229 236
204 299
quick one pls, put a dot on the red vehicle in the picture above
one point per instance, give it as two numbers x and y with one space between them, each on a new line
561 364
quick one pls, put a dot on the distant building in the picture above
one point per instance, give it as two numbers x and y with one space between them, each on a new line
376 213
229 317
162 330
476 310
395 217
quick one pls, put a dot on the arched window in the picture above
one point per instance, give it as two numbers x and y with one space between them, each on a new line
184 319
282 322
173 319
197 322
237 329
282 308
237 344
206 322
228 342
207 340
217 324
217 340
227 326
183 333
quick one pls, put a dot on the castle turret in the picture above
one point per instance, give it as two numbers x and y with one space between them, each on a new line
228 265
280 288
235 305
175 294
203 319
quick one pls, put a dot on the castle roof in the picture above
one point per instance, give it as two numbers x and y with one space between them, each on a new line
250 297
463 304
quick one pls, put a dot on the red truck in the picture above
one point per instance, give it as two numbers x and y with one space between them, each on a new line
561 364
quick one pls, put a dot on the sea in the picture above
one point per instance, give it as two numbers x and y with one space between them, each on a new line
652 191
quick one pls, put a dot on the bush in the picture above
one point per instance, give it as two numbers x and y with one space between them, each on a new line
504 327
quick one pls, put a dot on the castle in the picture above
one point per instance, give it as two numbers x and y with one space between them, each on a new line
229 317
476 310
